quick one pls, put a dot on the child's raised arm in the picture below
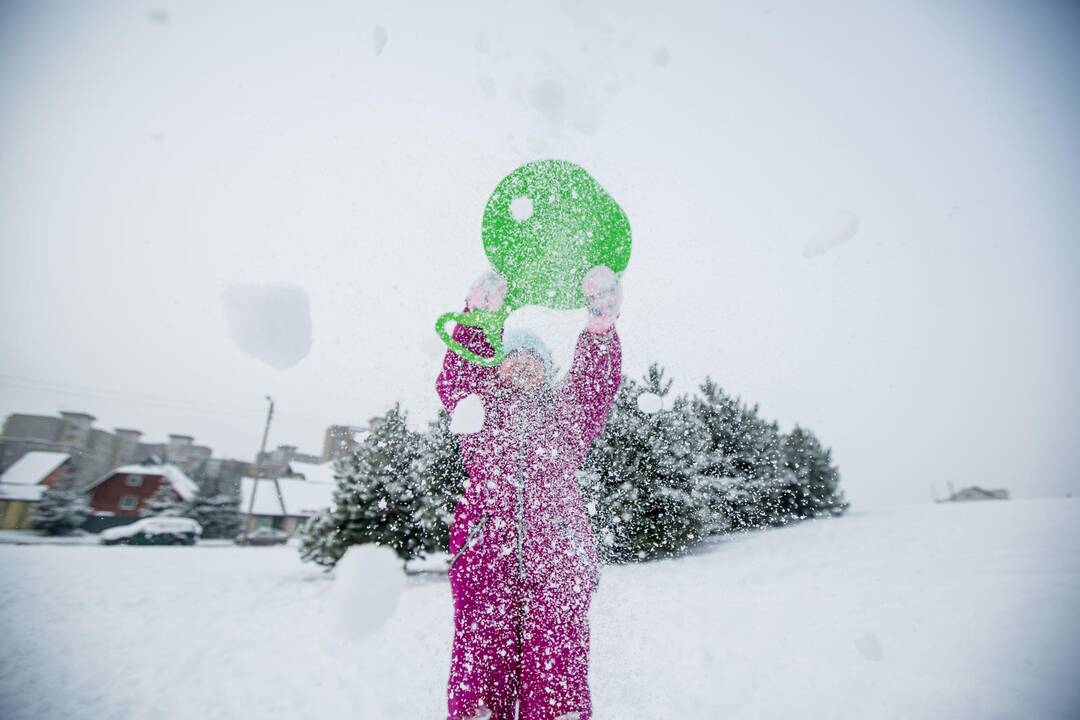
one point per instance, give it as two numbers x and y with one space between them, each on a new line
591 384
459 377
596 371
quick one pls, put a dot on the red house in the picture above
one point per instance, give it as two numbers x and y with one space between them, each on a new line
123 491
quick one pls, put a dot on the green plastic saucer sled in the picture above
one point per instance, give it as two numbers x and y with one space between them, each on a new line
545 225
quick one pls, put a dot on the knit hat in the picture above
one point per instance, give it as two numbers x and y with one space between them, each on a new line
525 340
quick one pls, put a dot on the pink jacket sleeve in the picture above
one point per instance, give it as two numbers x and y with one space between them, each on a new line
594 379
459 377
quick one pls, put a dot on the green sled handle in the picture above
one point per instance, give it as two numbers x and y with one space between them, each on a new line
545 226
489 321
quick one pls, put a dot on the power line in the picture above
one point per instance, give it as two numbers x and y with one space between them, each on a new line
39 385
155 400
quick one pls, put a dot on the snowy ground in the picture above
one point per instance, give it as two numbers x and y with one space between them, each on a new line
930 611
33 537
81 537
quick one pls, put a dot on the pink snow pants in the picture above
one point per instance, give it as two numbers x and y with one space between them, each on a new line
519 639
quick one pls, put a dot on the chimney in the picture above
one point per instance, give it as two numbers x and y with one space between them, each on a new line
127 443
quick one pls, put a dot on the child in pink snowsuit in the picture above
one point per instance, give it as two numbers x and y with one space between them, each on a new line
524 557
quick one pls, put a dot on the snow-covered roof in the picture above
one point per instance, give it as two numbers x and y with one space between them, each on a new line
29 493
184 486
302 497
33 467
321 473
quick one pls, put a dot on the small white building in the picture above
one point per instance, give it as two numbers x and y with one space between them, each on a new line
300 499
977 493
320 473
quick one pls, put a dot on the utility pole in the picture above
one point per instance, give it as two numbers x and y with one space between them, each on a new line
258 474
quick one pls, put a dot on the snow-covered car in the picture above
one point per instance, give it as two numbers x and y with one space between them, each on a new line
264 536
154 531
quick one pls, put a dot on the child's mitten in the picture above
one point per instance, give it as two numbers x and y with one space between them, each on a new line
604 293
488 292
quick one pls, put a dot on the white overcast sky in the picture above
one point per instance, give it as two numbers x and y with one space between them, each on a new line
154 155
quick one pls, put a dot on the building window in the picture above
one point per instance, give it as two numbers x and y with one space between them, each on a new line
134 480
128 502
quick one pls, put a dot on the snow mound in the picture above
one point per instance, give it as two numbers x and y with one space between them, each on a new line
270 322
368 580
468 416
837 230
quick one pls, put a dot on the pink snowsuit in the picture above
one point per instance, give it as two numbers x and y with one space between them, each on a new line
525 559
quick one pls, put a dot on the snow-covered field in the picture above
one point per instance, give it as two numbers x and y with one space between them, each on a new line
929 611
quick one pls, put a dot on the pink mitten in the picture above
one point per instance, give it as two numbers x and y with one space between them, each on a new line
488 292
604 293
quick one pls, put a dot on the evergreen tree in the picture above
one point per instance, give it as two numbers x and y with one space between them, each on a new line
655 484
439 476
320 541
375 500
59 511
811 481
740 464
639 476
219 514
163 502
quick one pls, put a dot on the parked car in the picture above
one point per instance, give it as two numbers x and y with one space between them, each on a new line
154 531
264 536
